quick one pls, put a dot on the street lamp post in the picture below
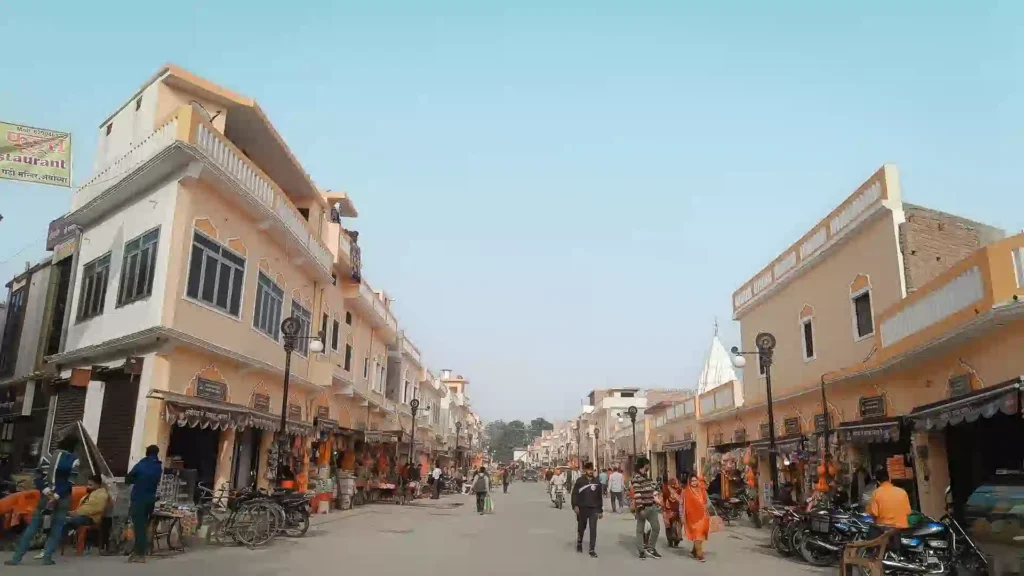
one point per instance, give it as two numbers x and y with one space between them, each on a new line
579 442
632 420
765 343
414 405
458 454
597 447
290 331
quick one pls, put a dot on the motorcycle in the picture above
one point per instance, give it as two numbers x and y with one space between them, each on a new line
730 509
296 512
558 496
829 531
934 547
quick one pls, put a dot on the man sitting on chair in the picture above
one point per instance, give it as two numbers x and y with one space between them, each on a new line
92 508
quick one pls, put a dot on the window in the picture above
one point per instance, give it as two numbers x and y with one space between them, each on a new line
366 367
138 268
808 330
348 358
12 333
110 127
348 318
95 275
269 302
627 394
138 103
864 323
305 213
305 321
215 275
335 329
323 329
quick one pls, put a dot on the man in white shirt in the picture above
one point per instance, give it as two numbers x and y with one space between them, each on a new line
616 487
557 483
436 476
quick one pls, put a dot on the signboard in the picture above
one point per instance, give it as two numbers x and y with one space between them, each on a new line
819 422
261 402
59 232
791 425
211 390
717 439
959 385
872 406
35 155
323 411
739 435
295 412
765 430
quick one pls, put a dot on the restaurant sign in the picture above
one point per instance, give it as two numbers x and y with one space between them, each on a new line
35 155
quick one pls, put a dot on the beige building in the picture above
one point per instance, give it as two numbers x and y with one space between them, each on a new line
825 300
200 232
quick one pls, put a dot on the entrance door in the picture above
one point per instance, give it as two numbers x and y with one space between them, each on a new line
685 462
70 409
246 461
980 448
197 448
117 422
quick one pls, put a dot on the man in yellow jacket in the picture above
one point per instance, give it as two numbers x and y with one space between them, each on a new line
92 508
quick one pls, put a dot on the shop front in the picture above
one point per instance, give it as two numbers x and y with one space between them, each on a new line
877 440
975 435
792 460
727 460
23 412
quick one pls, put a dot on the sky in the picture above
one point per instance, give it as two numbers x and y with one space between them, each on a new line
561 196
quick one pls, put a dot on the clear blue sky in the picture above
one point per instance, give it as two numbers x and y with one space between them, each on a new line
562 196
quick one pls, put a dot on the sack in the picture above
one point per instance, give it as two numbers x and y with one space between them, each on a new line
488 506
716 525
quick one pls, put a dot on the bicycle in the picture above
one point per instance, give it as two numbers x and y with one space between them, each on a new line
240 517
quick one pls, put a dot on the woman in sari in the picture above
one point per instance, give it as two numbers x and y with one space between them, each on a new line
696 521
671 493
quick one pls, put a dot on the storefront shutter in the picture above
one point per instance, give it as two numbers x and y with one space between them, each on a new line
117 422
70 409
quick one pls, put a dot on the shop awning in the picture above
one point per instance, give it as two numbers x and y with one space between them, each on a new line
298 428
730 446
378 437
197 412
784 444
326 425
264 421
870 430
679 445
986 402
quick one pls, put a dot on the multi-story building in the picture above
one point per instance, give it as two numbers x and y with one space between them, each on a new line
608 432
821 300
199 233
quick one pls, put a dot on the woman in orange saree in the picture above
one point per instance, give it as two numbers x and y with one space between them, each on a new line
696 521
671 493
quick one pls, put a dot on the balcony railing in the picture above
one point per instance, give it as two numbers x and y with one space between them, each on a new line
411 350
375 303
186 127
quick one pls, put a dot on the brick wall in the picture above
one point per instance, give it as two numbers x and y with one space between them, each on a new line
932 241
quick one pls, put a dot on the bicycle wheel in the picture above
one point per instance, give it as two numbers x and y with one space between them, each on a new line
254 525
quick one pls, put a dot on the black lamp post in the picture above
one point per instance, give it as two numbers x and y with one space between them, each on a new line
765 343
579 442
290 331
632 420
414 405
597 447
825 429
458 454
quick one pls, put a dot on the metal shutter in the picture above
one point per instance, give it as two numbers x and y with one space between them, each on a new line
70 409
117 422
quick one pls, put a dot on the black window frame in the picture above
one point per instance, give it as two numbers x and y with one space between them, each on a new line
268 293
348 357
132 271
862 311
807 331
325 322
335 334
95 273
11 340
224 257
305 318
348 318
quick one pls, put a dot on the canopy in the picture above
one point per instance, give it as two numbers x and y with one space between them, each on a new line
987 402
871 430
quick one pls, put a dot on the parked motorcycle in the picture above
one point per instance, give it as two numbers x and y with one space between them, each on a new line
296 512
730 509
829 530
934 547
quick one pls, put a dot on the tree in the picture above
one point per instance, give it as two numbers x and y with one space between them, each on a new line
506 437
539 425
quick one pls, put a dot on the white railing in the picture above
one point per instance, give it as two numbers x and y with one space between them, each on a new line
344 245
209 141
379 308
954 296
292 220
411 350
125 165
323 255
614 402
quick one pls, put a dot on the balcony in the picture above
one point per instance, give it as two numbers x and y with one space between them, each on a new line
188 145
373 309
973 296
617 403
411 351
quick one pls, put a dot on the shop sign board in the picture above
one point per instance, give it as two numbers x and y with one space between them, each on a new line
35 155
765 430
261 402
959 385
211 390
59 232
819 422
739 435
872 406
791 425
323 411
295 412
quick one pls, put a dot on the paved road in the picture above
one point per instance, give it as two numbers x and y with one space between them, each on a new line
526 535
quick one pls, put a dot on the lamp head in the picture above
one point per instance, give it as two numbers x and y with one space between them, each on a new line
316 346
738 361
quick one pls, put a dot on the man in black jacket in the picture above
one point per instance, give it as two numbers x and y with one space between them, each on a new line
588 504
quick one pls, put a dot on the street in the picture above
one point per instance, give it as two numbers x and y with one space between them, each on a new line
526 535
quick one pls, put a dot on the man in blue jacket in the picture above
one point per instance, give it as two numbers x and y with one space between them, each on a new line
144 478
56 496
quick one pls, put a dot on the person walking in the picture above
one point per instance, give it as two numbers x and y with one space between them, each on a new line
671 500
616 489
696 520
603 478
588 504
144 479
646 509
481 486
506 477
55 496
435 481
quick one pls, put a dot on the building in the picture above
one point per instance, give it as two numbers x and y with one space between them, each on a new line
198 233
607 431
825 299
